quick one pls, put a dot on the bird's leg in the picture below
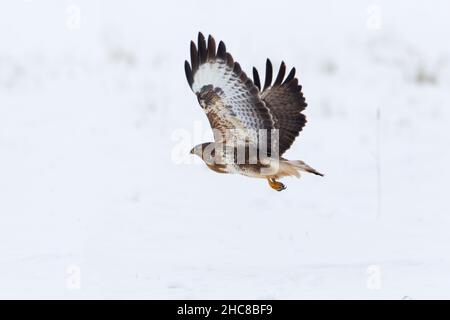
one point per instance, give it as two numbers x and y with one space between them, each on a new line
276 185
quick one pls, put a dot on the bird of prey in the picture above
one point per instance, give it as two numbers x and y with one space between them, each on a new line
253 125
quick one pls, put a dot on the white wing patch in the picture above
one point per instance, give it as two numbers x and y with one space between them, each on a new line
214 73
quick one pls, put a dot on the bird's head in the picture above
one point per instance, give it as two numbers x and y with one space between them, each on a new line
199 149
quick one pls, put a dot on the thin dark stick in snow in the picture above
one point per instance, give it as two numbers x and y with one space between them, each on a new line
378 159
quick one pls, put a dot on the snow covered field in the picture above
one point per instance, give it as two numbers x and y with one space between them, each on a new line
95 202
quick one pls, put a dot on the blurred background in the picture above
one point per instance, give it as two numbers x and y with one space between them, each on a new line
99 198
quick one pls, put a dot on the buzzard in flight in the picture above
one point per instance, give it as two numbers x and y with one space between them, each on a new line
253 125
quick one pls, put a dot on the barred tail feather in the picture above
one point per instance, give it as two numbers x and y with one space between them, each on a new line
304 167
293 168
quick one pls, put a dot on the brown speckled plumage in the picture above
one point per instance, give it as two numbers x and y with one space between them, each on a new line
234 103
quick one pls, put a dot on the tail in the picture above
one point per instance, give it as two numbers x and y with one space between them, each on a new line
292 168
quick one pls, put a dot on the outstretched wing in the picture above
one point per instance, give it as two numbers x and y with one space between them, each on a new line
229 98
285 101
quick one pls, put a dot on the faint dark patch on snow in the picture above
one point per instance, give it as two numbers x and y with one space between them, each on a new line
403 122
158 60
38 258
175 285
122 56
146 112
72 71
326 108
329 67
116 51
415 66
151 106
135 197
425 75
437 112
11 72
330 108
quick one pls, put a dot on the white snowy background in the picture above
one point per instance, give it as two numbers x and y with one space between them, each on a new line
95 202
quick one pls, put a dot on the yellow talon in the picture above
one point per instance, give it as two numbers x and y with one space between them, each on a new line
276 185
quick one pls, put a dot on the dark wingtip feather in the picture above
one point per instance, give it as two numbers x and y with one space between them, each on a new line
230 60
222 51
281 73
290 76
188 71
211 48
256 78
194 56
269 72
201 48
237 68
